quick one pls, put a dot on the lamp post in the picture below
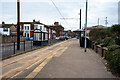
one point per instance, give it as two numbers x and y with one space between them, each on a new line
18 24
80 28
86 27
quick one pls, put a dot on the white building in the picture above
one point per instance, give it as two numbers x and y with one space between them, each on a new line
5 31
119 12
26 30
43 35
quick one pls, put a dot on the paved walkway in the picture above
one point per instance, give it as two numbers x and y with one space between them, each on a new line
75 63
62 60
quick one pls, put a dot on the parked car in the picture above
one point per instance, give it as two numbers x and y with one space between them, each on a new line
62 38
31 38
66 37
77 37
57 38
26 38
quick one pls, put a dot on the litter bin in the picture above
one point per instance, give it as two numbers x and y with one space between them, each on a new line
82 42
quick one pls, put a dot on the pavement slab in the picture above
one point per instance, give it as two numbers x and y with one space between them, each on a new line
75 63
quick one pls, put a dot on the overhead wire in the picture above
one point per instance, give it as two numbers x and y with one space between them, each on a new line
59 12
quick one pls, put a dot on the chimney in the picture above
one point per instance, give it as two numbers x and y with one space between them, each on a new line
3 23
33 20
56 23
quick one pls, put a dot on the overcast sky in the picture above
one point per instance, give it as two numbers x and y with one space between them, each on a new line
45 11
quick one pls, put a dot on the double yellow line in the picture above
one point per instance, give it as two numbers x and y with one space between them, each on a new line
34 73
39 68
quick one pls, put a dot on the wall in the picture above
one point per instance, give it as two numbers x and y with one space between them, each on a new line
6 39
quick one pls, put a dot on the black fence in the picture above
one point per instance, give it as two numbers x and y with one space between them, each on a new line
11 48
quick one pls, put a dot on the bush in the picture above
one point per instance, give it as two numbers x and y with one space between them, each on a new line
108 41
96 34
116 29
109 37
117 41
113 58
99 41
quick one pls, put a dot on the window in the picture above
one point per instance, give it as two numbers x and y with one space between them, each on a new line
35 27
40 37
25 27
43 36
40 27
28 27
5 29
20 28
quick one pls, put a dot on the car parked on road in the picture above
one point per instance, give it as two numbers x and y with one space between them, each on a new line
57 38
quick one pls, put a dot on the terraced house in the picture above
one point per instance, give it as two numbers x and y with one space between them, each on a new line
28 28
8 29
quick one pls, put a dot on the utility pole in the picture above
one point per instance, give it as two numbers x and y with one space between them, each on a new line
18 24
98 21
86 27
80 28
106 22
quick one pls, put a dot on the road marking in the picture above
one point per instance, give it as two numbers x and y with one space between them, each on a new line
51 53
39 68
32 54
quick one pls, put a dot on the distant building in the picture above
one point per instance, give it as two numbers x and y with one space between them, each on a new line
98 26
69 33
8 29
27 28
59 29
5 29
119 12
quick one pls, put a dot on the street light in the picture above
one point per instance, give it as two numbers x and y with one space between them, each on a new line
80 28
86 27
18 24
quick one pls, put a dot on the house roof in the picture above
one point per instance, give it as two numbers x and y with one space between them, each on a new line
31 23
48 26
7 25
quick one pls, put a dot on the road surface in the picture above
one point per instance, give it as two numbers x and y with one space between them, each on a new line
62 60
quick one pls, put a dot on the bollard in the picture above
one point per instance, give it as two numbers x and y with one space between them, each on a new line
24 45
14 48
31 44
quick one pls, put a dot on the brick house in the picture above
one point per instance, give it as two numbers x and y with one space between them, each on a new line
27 28
55 30
51 32
59 29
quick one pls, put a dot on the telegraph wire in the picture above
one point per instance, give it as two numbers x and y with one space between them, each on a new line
59 12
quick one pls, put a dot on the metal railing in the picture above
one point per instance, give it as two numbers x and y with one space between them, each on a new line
9 49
